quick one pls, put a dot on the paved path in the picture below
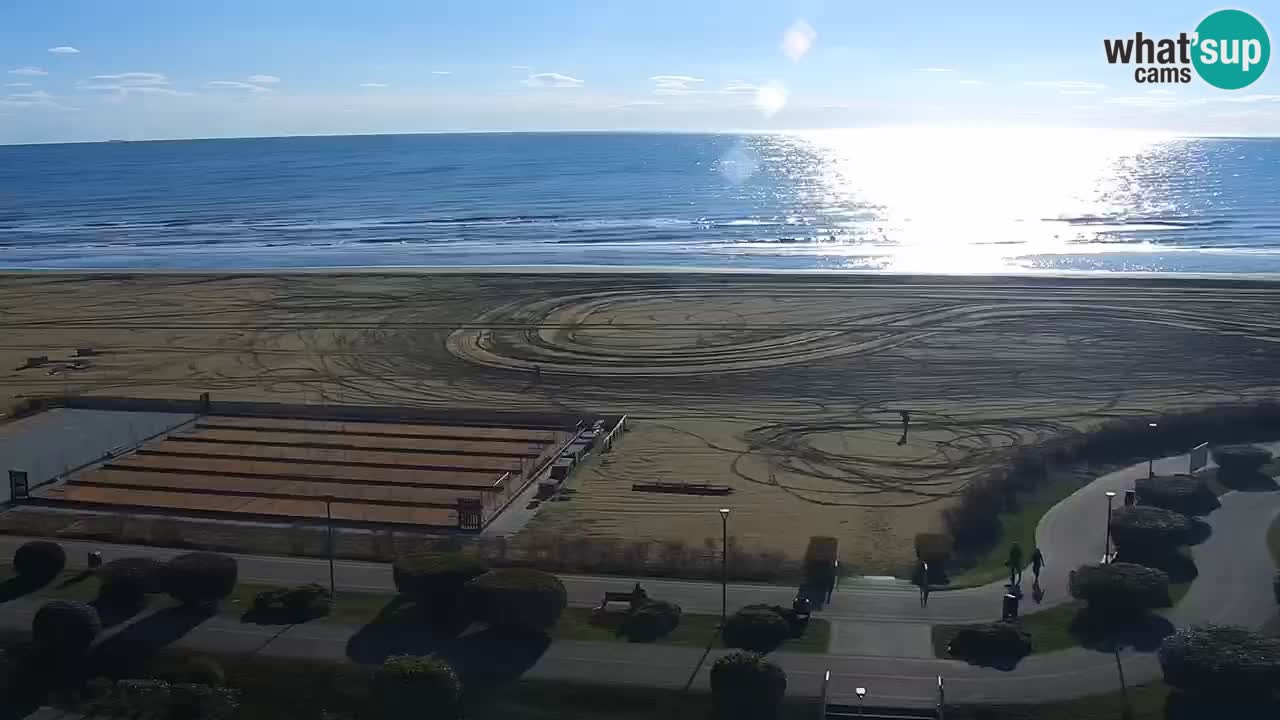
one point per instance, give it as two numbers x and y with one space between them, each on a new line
879 629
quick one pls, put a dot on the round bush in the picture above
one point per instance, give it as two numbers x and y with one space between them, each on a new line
651 621
65 628
39 561
1221 661
1142 531
1235 460
408 686
1120 588
1180 493
200 578
297 604
746 686
437 578
199 670
999 640
127 580
518 597
759 628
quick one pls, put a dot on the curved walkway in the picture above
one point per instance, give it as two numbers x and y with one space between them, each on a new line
877 626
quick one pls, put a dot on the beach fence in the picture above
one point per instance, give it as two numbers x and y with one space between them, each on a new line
1199 458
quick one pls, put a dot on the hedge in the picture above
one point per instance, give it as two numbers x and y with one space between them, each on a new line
65 628
746 686
518 598
294 604
200 578
1142 531
39 561
1221 661
992 641
651 620
436 578
1119 588
127 580
411 686
1240 460
820 560
1185 494
759 628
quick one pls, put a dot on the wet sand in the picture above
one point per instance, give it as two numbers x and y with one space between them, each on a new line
786 387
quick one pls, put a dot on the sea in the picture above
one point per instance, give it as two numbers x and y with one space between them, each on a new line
899 200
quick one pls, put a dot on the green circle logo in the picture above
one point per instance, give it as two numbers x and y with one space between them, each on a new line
1232 49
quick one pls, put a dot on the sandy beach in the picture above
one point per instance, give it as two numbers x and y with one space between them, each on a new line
786 387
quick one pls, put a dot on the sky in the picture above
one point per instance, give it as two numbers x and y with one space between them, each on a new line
89 70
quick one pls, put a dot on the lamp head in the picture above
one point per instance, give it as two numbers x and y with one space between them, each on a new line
724 511
1111 494
862 692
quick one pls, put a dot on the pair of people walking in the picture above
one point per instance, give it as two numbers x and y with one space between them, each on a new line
1014 563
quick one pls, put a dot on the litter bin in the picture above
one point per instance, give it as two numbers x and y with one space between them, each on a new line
1009 610
1130 498
95 559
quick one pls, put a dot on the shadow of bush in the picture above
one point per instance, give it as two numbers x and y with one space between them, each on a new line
404 627
18 586
1108 632
113 611
131 648
494 657
1247 482
1177 565
1185 706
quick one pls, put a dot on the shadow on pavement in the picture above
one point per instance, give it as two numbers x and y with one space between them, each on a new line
75 579
402 627
134 645
113 611
18 586
1181 706
1097 631
1251 482
494 657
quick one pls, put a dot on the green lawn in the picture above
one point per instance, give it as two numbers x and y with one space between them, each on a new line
693 631
1020 527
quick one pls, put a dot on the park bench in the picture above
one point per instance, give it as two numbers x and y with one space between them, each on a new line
631 597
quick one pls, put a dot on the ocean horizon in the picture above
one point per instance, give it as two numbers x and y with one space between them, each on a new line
891 201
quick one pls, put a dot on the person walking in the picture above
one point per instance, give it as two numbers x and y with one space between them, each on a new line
1015 564
906 421
1037 562
924 584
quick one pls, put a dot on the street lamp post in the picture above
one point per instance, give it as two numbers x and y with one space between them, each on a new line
724 565
1106 545
1151 457
862 693
328 514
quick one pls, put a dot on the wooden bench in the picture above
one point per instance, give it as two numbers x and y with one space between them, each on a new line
630 597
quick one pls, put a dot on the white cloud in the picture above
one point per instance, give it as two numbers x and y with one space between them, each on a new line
636 104
521 67
17 84
1068 87
797 40
140 83
64 50
935 69
35 99
136 79
28 71
971 82
1161 91
374 85
552 80
1170 102
737 87
264 79
441 72
674 84
237 85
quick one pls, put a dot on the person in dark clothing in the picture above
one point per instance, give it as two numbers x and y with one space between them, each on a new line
1037 562
906 420
924 583
1015 564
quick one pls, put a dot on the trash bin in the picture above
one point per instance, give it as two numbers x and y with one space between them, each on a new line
1130 498
95 559
1009 610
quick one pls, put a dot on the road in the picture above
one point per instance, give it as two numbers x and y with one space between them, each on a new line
878 627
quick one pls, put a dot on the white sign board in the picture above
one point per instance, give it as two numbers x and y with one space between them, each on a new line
1199 457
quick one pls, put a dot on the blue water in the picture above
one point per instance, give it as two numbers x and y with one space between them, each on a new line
894 201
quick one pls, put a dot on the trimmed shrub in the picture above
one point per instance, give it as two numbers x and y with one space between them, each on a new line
200 578
199 670
1221 661
759 628
1185 494
936 550
1120 588
820 561
294 604
518 598
992 641
408 686
437 579
39 561
1149 532
128 580
1240 460
65 628
746 686
651 620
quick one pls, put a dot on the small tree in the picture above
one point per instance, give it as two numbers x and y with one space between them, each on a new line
295 604
519 598
39 561
128 580
65 628
408 686
1221 661
1119 589
437 579
200 578
1240 461
936 550
1142 532
1186 494
759 628
650 621
746 686
992 641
